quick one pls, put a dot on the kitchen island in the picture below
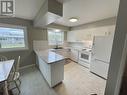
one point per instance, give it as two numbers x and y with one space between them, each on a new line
51 66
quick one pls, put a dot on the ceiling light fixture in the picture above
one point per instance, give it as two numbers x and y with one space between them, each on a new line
57 30
73 19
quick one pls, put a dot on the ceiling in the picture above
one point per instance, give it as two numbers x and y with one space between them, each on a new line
27 9
85 10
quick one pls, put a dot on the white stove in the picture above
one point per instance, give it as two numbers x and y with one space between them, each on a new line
85 57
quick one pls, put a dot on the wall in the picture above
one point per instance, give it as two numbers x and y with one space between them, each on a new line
27 56
39 34
124 81
101 23
87 32
119 52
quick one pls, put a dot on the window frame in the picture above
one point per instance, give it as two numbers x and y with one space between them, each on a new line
49 42
25 38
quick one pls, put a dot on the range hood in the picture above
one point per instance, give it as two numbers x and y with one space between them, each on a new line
50 11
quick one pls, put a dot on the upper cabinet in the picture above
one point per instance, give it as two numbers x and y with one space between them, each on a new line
78 36
88 34
71 36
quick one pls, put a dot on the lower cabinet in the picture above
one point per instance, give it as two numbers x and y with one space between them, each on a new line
45 70
53 73
74 55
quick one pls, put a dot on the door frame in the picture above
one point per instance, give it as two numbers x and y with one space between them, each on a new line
121 69
119 52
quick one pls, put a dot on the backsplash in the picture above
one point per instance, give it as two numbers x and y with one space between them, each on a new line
43 44
84 44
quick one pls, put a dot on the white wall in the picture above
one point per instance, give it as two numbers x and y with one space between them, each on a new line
119 52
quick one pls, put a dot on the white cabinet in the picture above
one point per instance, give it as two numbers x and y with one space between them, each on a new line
88 34
76 36
71 53
53 73
74 54
79 35
71 36
45 70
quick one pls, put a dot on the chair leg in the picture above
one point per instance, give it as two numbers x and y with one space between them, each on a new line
17 87
6 89
19 81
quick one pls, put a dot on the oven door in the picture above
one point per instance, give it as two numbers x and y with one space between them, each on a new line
84 57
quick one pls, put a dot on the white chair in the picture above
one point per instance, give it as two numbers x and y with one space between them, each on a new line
6 88
1 88
15 76
3 58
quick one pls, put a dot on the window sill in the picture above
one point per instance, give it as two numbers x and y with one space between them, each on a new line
14 49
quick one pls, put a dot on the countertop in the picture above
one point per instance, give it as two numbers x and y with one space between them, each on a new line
48 56
53 55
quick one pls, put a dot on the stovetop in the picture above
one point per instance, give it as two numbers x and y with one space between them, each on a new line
88 50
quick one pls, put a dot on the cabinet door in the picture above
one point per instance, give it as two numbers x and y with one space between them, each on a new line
71 36
74 55
45 70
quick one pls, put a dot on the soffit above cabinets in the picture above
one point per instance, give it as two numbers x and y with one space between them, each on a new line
42 12
50 11
56 26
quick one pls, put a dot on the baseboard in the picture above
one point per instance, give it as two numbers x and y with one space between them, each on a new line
28 66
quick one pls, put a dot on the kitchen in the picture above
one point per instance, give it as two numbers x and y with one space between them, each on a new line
73 49
91 54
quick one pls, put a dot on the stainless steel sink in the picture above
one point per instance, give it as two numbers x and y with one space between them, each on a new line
58 48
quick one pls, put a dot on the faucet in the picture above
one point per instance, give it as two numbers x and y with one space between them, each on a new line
57 46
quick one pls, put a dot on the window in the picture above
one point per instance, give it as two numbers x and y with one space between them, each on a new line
55 38
12 37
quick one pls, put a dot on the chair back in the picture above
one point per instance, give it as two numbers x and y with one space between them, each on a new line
14 70
17 64
3 58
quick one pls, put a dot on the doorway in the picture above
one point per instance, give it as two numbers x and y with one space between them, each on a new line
124 81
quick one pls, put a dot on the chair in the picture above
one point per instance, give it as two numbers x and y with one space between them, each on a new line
1 88
6 88
14 76
3 58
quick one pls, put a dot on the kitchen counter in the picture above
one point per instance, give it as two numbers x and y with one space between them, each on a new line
49 56
63 52
51 65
